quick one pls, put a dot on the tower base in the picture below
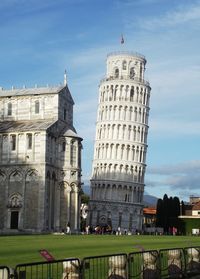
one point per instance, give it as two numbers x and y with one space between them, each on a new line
126 216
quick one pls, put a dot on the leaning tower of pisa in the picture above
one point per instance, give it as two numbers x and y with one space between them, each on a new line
118 170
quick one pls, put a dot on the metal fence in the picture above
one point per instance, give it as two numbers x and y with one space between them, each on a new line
4 272
166 263
192 261
60 269
172 263
105 267
144 265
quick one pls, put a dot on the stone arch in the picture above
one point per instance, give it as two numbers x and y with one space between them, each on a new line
74 187
139 115
15 200
118 128
124 64
116 72
120 112
135 114
141 95
114 112
131 113
15 175
125 112
138 134
111 91
141 70
132 94
132 72
126 90
32 175
14 204
2 176
137 94
101 113
114 94
106 113
110 112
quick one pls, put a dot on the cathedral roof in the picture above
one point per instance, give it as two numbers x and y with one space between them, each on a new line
71 133
20 126
31 91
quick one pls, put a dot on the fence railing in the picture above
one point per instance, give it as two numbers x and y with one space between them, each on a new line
172 263
144 265
56 269
153 264
192 261
136 79
108 266
4 272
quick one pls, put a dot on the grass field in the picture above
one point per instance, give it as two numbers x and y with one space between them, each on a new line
25 249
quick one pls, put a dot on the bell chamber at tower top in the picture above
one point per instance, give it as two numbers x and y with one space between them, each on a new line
125 65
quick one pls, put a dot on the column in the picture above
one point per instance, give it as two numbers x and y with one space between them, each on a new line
68 191
76 209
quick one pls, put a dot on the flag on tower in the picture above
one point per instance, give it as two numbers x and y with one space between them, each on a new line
122 40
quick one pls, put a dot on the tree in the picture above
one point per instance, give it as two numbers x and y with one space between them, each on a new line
168 210
165 213
159 213
85 198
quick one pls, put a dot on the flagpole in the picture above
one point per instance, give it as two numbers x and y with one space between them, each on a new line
122 42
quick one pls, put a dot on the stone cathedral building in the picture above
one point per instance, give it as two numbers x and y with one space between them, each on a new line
40 160
118 170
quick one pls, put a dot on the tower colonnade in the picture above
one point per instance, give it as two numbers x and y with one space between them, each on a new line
120 92
119 164
129 152
122 193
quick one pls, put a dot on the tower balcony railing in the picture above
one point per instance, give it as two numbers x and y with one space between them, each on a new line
120 78
132 53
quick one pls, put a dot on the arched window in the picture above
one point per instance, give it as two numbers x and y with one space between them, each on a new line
73 154
79 155
37 107
63 146
65 114
132 72
13 142
29 141
116 73
131 94
140 70
124 65
15 201
126 197
9 109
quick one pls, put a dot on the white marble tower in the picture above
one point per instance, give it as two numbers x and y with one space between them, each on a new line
118 170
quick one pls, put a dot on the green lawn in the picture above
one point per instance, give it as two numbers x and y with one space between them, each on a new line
24 249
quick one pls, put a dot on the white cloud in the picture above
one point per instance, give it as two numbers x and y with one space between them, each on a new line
185 181
181 179
181 168
183 14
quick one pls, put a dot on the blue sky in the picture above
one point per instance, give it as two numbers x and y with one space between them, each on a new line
40 39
